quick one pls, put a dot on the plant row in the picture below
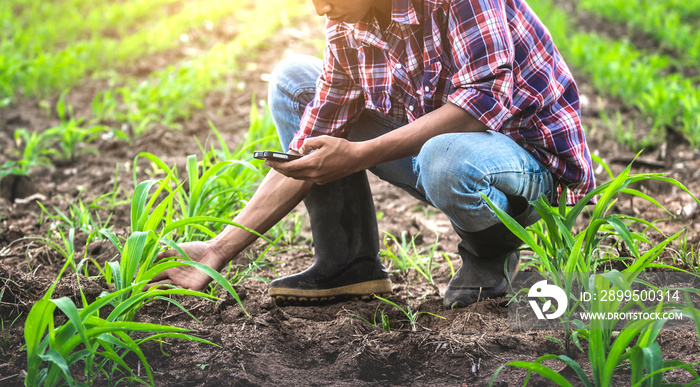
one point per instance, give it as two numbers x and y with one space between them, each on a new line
574 258
97 336
657 19
639 79
167 96
28 31
171 94
32 71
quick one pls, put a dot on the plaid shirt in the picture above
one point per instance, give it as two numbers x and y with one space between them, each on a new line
494 58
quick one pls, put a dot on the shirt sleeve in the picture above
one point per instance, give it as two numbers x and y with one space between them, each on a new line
483 54
338 98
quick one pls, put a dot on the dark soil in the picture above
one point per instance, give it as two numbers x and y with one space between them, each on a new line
318 345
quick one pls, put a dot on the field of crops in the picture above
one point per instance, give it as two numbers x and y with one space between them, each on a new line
127 127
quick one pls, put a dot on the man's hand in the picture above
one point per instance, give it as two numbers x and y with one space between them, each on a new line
189 277
327 159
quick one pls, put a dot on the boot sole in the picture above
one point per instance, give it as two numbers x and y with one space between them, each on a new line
361 291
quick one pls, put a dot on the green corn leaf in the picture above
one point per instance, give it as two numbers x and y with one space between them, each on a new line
138 201
517 229
600 161
543 371
68 307
112 356
644 196
112 238
192 171
78 356
222 142
182 336
177 304
39 319
624 233
201 219
572 364
132 256
617 350
54 357
648 358
142 221
650 255
660 177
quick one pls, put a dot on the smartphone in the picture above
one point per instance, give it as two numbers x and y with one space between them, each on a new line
275 156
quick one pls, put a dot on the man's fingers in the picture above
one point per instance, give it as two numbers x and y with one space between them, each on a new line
158 283
311 144
160 276
167 254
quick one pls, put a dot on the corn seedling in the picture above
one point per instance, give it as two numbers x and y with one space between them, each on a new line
379 319
571 258
411 316
108 339
35 153
70 139
217 188
99 343
80 217
404 255
686 254
568 257
609 347
5 329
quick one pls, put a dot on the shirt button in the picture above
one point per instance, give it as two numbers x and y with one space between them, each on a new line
398 66
410 108
427 89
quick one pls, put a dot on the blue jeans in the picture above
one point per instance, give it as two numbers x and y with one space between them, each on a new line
450 172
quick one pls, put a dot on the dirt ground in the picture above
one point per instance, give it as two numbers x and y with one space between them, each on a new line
319 345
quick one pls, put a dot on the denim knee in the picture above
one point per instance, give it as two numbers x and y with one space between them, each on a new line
455 169
450 182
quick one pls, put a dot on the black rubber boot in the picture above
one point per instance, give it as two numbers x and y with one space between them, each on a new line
346 240
484 256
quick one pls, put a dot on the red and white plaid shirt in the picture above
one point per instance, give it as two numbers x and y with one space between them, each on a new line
494 58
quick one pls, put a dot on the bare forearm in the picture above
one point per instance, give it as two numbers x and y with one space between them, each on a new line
408 140
273 200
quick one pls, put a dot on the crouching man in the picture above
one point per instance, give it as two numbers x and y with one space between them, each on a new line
447 99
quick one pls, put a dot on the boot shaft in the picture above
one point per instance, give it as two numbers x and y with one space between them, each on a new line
343 219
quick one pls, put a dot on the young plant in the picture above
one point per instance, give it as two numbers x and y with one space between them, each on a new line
34 154
5 329
411 316
80 217
69 137
568 258
686 254
379 320
100 344
405 255
66 249
610 346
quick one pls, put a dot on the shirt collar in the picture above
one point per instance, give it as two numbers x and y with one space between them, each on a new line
404 12
367 31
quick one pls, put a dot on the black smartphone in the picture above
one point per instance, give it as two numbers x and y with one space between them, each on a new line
275 156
